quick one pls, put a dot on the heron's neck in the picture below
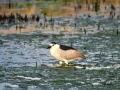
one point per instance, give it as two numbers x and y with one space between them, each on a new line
54 48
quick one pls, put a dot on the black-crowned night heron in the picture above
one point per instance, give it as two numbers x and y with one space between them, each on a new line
65 53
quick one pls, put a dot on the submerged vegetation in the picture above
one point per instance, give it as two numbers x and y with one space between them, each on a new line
79 5
47 12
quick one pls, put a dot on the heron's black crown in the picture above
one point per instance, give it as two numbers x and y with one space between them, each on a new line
53 42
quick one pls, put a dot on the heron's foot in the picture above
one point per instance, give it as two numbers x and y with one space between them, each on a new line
60 62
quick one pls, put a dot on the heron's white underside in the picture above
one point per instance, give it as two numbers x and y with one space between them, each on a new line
64 55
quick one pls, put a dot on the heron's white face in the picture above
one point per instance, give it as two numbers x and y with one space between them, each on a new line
51 45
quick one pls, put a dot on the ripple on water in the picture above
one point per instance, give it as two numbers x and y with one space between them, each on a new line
107 67
28 78
4 86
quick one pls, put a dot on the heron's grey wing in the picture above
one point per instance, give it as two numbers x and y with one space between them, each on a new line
72 54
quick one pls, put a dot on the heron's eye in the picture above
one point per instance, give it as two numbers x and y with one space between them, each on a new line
52 45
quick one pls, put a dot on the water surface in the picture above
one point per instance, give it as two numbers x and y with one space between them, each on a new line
26 64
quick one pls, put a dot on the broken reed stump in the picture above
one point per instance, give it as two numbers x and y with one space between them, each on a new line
112 14
36 63
117 32
84 30
98 26
97 6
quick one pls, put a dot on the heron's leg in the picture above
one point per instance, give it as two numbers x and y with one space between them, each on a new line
66 62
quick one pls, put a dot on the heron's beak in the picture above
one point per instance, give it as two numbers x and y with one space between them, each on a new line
49 47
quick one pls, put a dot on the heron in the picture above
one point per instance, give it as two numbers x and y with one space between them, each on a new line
65 53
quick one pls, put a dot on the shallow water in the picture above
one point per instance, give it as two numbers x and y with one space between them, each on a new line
26 64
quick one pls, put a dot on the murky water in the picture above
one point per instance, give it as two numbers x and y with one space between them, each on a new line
26 64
